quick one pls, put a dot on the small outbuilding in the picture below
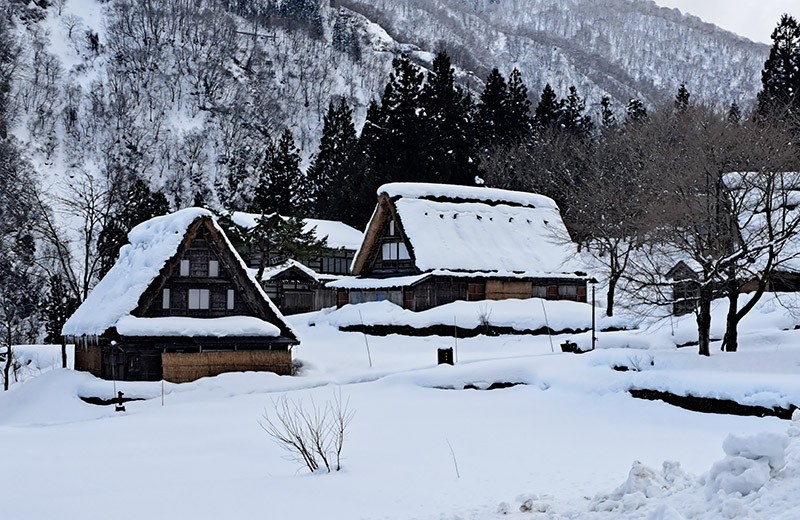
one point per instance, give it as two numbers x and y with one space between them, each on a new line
299 286
431 244
179 304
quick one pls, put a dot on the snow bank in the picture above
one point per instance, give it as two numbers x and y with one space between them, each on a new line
529 314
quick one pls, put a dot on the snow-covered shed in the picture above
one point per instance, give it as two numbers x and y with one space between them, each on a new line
431 244
179 304
299 286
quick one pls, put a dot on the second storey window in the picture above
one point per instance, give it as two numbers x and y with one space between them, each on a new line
213 268
198 299
395 251
165 299
231 300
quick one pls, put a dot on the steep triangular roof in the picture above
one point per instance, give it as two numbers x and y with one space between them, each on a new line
463 228
155 247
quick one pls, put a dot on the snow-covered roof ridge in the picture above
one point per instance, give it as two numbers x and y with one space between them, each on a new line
338 235
423 190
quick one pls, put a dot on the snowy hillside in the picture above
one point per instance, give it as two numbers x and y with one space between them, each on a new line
187 95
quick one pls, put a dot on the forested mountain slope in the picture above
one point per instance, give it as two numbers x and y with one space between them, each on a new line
186 93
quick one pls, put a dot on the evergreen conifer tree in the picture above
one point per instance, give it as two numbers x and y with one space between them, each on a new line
331 176
548 111
447 109
133 203
780 78
281 185
636 111
607 117
734 114
519 107
682 98
573 119
493 111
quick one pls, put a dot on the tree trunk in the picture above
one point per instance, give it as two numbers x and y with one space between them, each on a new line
704 320
612 286
7 367
730 343
63 352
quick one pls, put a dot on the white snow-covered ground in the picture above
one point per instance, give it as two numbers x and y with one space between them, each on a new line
567 442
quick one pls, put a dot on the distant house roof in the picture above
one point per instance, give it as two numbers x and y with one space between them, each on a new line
275 270
151 245
337 234
461 228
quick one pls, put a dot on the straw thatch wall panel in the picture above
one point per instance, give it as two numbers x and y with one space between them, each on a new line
504 289
181 367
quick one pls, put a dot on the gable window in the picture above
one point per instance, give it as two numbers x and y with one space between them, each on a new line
184 267
395 251
165 299
391 227
198 299
231 300
213 268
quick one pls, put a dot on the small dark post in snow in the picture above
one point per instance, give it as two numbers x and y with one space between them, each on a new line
593 282
119 407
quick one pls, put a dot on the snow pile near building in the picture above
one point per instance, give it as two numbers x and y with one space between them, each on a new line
520 315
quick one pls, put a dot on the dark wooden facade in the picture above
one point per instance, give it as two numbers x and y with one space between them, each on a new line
294 291
204 279
438 290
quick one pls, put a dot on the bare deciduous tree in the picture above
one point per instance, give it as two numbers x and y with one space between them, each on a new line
313 435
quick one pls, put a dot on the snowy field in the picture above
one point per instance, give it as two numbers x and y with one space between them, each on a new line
567 441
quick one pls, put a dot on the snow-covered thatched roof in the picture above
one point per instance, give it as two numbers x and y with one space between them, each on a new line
274 270
338 235
151 245
461 228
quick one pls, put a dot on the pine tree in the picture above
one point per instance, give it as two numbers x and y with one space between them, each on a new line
682 98
636 111
548 111
331 176
396 134
781 75
448 113
492 120
58 305
734 114
573 119
607 117
133 202
281 184
519 107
